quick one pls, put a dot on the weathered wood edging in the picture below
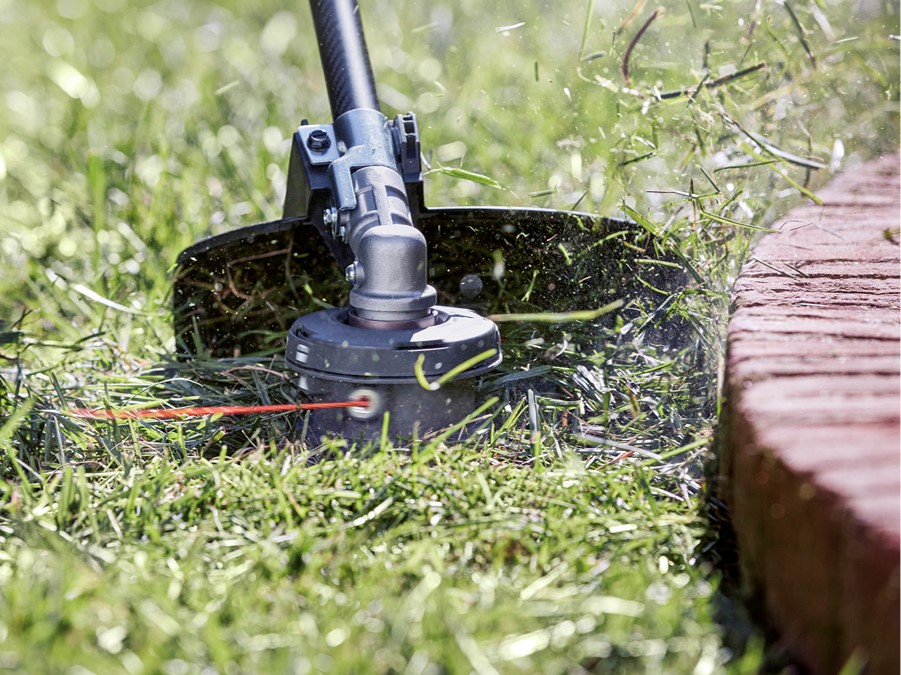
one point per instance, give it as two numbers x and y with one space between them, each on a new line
811 458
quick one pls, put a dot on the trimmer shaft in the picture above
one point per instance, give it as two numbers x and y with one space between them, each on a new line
338 360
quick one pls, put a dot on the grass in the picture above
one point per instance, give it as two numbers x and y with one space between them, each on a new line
567 537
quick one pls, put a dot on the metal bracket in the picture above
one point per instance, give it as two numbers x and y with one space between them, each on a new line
327 157
353 177
318 143
340 174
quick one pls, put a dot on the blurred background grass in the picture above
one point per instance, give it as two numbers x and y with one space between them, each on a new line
133 129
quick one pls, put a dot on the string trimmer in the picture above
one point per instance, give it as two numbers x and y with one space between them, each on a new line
355 198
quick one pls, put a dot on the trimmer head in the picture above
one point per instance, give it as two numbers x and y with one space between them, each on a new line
398 370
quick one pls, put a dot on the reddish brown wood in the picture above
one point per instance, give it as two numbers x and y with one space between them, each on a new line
811 463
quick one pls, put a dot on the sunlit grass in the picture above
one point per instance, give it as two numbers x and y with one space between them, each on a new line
564 536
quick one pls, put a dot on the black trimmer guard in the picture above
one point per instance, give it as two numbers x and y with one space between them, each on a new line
238 293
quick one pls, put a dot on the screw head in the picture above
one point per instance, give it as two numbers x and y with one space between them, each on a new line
318 141
351 274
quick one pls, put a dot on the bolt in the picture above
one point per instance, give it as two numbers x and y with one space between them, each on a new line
351 274
470 286
318 141
330 219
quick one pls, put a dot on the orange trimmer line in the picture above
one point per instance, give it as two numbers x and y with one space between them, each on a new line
203 411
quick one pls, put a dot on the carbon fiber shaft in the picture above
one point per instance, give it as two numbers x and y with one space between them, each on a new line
345 61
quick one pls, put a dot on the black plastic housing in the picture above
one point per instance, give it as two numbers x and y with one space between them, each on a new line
338 361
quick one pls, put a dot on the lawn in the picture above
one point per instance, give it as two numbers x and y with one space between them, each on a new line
571 535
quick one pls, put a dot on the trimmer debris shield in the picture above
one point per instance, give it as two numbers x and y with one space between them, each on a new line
239 293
